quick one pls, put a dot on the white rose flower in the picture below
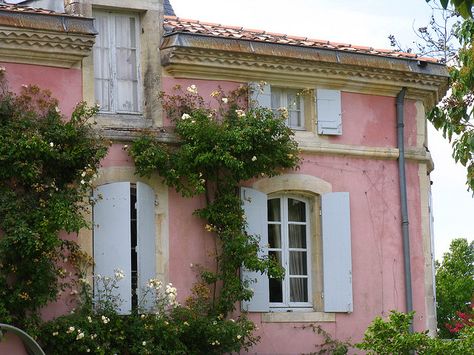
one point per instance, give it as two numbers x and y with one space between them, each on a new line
192 89
240 113
185 116
254 158
225 100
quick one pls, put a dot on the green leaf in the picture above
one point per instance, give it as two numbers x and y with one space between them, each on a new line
444 3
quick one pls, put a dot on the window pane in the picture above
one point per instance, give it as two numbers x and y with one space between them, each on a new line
276 98
298 290
274 236
276 290
102 68
127 96
126 61
294 119
296 210
274 209
276 286
297 235
276 255
298 263
293 100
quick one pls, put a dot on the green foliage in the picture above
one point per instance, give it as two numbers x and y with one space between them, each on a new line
168 328
328 345
464 7
454 115
454 283
46 165
218 150
392 336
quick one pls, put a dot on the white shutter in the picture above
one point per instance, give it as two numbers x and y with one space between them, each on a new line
146 234
337 263
328 103
112 233
255 209
260 95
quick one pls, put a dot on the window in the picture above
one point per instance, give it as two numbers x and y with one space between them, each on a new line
319 108
290 227
116 68
293 101
288 242
124 237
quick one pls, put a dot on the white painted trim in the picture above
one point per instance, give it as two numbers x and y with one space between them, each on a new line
285 251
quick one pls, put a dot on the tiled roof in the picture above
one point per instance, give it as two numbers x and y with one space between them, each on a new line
29 10
175 24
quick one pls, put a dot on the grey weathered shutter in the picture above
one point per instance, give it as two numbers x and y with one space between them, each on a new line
103 82
337 260
260 95
255 207
146 234
112 233
126 63
328 103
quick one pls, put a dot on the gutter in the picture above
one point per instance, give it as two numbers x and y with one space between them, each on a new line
403 201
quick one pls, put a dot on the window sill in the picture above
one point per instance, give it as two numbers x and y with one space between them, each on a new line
122 120
298 317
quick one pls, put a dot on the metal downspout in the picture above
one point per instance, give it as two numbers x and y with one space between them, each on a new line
403 201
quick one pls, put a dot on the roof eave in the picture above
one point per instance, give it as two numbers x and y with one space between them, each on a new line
47 21
198 55
343 57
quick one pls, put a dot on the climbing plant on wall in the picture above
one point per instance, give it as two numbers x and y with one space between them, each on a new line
46 165
218 150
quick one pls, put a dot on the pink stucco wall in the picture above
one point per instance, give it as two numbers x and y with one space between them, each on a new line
66 86
377 259
370 120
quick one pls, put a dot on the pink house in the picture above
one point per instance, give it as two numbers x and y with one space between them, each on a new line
351 226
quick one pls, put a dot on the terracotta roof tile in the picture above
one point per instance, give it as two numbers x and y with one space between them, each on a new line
175 24
27 9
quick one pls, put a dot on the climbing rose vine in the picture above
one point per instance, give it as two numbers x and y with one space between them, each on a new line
220 147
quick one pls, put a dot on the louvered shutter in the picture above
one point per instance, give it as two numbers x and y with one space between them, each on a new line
255 209
260 95
337 260
329 113
146 236
112 233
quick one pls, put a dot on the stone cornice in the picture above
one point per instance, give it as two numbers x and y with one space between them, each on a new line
204 57
165 135
53 40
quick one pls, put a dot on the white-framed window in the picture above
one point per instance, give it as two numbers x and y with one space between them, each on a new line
271 217
293 101
320 108
116 63
289 244
124 238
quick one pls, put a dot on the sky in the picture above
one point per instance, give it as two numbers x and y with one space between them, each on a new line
362 22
